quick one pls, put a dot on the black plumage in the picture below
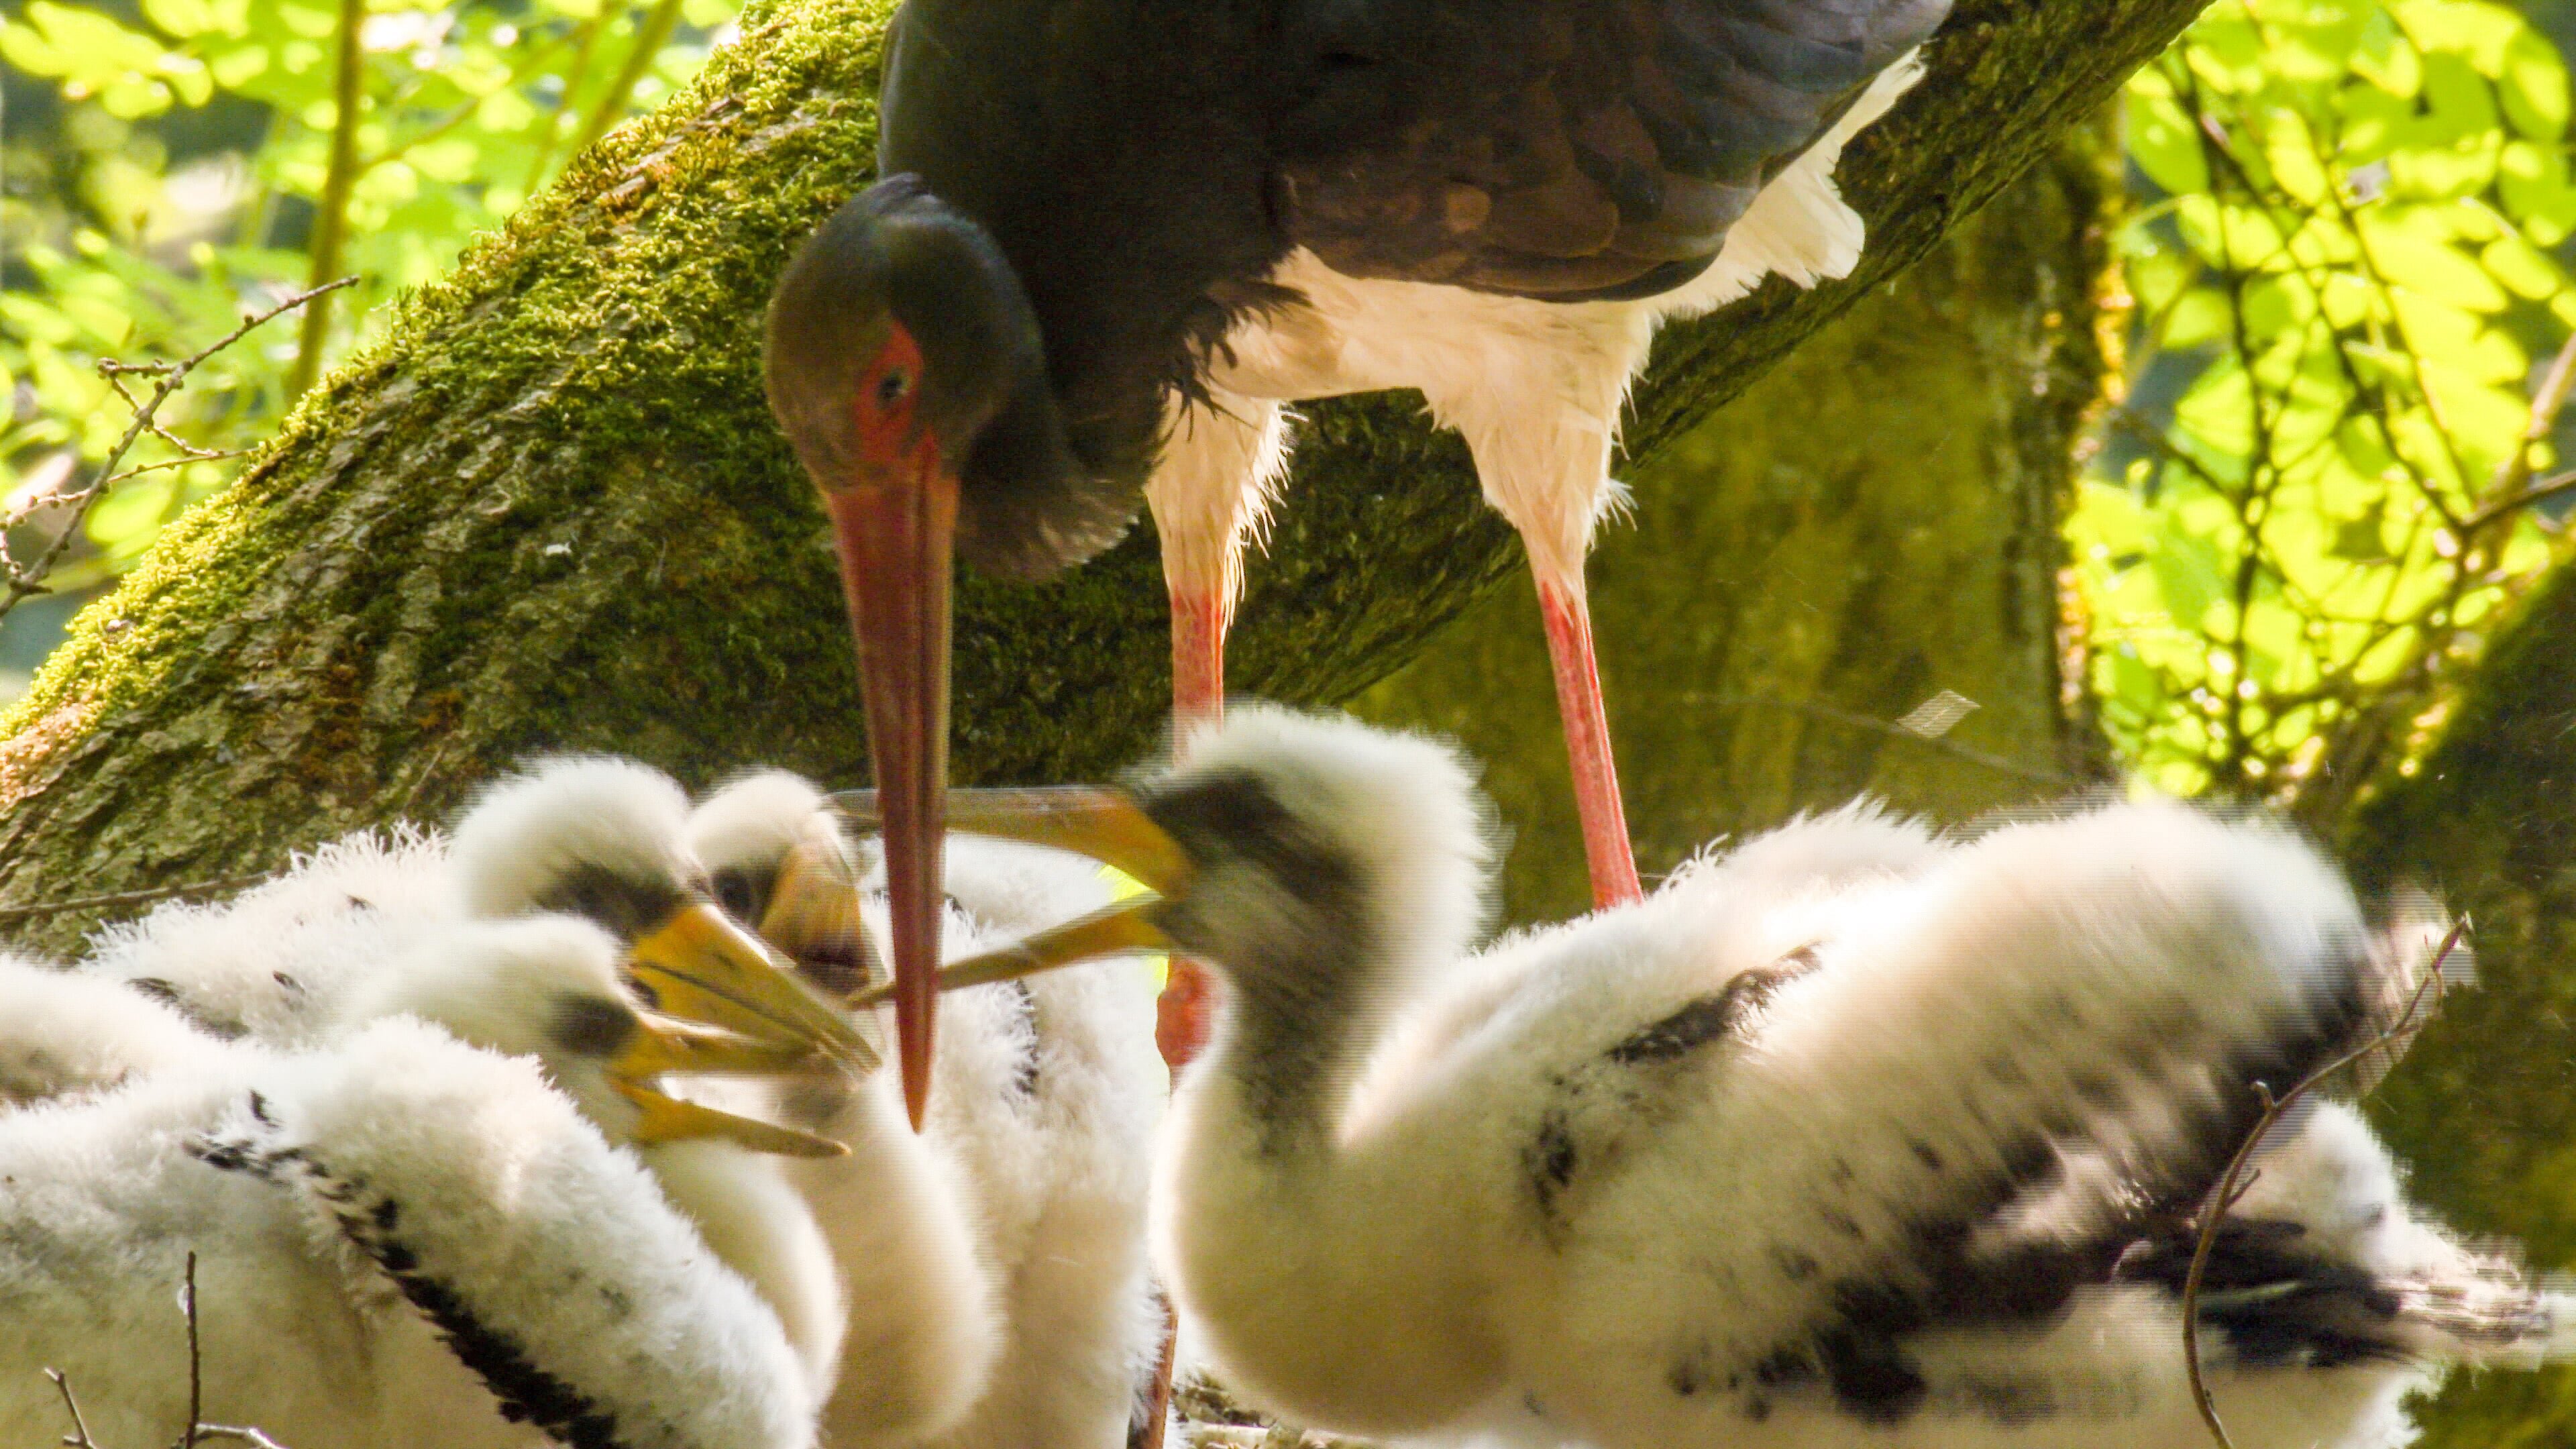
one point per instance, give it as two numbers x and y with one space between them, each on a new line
1145 165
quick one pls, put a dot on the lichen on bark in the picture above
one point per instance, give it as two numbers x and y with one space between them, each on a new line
549 511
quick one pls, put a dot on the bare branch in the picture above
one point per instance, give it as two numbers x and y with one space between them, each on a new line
196 1363
195 455
339 182
26 581
2556 485
2234 1182
79 1435
238 1433
2545 407
146 896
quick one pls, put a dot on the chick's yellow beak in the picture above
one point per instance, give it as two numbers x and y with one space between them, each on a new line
663 1118
701 965
1107 825
1116 931
813 916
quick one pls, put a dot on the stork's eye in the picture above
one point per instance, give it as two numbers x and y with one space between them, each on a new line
894 387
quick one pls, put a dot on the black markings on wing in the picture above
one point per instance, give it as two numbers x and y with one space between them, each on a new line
2279 1302
1548 1163
1593 1111
1565 149
168 994
526 1393
1024 1074
1707 1019
1964 1264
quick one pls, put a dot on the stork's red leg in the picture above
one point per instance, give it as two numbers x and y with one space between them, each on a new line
1205 495
1199 621
1587 746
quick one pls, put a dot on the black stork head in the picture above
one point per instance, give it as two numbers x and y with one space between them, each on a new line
905 364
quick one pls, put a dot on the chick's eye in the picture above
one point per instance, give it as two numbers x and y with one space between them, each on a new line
894 387
593 1026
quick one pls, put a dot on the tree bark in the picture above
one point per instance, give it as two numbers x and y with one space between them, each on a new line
1873 523
549 510
2484 1106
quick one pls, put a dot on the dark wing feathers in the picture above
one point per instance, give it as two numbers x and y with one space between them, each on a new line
1558 148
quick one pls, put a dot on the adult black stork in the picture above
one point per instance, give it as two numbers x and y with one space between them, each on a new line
1115 236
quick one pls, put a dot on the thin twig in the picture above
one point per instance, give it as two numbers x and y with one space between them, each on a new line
80 1427
145 896
2233 1181
1857 720
242 1433
194 456
196 1364
2546 404
27 581
2554 486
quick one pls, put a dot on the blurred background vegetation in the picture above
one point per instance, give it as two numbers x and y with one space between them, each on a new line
2332 278
2208 459
171 163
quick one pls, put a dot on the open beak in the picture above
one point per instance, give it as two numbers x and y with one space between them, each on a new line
668 1119
1105 824
700 964
813 916
896 537
667 1044
1115 931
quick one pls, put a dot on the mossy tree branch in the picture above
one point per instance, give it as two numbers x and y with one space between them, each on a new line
550 511
2484 1110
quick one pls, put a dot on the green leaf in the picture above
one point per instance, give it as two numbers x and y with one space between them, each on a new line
180 18
236 68
2166 146
2533 87
2430 267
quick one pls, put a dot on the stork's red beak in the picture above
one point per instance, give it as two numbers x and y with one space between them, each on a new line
896 531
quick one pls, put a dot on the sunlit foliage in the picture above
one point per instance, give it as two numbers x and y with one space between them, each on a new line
115 250
2313 495
2316 488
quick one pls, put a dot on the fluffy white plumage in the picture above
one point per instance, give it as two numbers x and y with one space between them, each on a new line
68 1033
272 962
405 1236
275 962
1031 1171
1848 1132
375 926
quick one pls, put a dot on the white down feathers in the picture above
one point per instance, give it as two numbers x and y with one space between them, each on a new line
1026 1264
1752 1163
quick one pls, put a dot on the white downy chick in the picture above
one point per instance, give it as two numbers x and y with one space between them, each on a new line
404 1239
1845 1134
1041 1123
